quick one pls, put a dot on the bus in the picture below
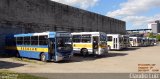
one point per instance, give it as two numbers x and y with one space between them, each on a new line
144 41
86 43
155 41
126 41
135 41
115 42
152 41
46 46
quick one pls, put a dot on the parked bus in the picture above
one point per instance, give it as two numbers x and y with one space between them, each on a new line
89 43
115 42
135 41
46 46
126 42
144 41
153 41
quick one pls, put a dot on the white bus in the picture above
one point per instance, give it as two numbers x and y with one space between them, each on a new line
126 41
115 42
90 43
135 41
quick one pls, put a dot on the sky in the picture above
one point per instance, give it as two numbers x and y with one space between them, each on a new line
136 13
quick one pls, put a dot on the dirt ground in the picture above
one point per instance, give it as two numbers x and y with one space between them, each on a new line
125 61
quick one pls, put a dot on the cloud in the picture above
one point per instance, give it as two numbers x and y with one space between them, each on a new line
132 10
133 7
84 4
141 20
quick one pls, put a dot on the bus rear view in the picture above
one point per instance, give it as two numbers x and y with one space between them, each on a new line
46 46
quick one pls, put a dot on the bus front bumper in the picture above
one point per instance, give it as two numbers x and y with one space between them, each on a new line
61 57
103 51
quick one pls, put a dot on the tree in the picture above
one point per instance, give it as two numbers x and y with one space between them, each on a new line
151 35
158 37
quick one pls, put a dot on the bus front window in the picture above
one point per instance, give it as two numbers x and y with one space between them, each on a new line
64 44
103 40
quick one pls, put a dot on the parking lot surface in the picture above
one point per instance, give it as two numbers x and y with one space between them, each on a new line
124 61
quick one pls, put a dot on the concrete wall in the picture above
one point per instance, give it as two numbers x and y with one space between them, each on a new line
156 27
23 16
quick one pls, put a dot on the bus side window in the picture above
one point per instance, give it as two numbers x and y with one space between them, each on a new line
77 38
43 40
86 38
131 39
34 40
27 40
109 38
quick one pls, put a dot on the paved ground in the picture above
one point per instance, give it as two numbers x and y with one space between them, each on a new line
116 62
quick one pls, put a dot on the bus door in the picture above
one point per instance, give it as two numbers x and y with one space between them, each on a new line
51 48
115 43
134 42
95 44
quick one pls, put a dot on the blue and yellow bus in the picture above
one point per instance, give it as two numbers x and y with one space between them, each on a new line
46 46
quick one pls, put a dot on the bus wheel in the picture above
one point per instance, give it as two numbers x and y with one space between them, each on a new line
84 52
43 57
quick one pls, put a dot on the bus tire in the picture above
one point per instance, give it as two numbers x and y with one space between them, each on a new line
84 52
43 57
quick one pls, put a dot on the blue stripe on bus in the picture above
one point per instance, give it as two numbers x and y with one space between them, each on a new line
30 54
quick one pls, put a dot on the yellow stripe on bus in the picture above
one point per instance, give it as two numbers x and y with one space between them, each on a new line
33 49
89 46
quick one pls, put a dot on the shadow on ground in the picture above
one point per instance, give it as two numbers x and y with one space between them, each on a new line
80 58
130 49
116 54
4 55
7 65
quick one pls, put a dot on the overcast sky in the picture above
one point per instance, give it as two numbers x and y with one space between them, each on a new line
136 13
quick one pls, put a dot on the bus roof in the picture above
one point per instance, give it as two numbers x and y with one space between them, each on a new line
135 37
34 34
113 34
88 33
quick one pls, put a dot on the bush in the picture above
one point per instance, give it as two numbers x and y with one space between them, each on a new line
151 35
158 37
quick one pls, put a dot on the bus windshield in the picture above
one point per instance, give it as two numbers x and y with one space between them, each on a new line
103 40
64 44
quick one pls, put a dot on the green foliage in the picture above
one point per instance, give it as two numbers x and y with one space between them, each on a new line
5 74
158 37
151 35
